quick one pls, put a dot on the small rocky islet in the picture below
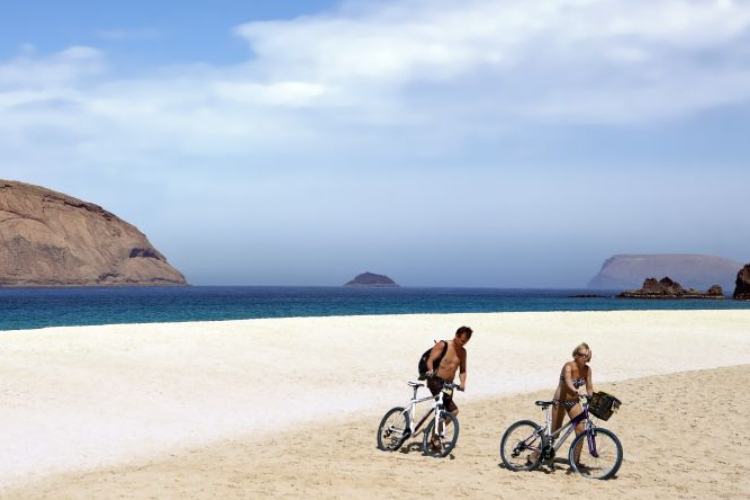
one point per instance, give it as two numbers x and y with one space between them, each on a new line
369 279
666 288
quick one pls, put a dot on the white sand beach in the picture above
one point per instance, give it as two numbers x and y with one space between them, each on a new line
289 407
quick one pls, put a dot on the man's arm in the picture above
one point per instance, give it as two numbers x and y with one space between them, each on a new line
437 349
462 373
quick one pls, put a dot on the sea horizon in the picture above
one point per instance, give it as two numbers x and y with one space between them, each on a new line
40 307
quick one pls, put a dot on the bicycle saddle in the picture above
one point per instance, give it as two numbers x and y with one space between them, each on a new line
544 404
414 384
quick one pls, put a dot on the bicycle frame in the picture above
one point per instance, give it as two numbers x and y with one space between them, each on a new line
412 408
569 428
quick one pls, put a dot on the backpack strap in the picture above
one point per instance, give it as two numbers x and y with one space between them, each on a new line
442 354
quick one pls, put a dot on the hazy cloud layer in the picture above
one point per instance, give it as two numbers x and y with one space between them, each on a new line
352 100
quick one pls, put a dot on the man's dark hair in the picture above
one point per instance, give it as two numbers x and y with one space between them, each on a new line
465 330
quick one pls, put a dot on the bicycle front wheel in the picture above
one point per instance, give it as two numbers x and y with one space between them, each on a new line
441 441
600 454
393 429
521 446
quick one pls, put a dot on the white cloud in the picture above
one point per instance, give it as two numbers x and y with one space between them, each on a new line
377 82
70 67
419 66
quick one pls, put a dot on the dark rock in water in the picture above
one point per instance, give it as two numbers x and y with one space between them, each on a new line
666 288
51 239
622 272
742 284
371 279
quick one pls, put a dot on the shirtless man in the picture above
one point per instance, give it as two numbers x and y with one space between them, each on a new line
455 358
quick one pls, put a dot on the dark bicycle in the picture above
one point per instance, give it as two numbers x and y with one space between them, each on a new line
526 445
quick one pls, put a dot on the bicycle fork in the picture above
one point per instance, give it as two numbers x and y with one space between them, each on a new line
591 440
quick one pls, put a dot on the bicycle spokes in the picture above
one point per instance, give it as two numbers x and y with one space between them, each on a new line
521 446
527 444
600 457
440 437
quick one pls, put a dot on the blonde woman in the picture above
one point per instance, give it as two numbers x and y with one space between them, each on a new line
575 374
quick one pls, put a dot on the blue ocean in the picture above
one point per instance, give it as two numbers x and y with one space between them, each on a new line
42 307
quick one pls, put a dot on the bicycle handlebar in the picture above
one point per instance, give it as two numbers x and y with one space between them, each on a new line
449 385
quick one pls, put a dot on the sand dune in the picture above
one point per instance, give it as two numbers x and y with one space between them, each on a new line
186 410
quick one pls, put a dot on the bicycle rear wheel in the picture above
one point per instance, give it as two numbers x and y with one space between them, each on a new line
521 446
601 454
439 443
393 429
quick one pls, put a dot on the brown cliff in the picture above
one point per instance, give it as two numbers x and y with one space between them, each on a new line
51 239
742 285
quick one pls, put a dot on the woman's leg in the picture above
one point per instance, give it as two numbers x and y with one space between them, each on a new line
558 415
580 428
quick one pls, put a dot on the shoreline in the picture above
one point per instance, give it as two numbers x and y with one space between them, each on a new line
79 398
368 316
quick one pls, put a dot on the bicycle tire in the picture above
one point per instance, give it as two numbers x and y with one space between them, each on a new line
392 435
446 445
523 434
607 445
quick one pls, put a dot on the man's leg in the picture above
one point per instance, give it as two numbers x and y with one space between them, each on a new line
452 409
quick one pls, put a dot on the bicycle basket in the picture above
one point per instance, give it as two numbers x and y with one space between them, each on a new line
603 405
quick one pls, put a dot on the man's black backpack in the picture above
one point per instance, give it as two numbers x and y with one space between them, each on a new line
423 360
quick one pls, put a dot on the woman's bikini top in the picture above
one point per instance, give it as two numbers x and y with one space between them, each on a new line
577 382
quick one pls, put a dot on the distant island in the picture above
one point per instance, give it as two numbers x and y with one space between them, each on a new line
666 288
371 280
622 272
52 239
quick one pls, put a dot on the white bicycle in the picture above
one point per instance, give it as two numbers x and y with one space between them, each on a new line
440 435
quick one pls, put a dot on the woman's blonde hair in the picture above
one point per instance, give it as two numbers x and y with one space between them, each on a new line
583 346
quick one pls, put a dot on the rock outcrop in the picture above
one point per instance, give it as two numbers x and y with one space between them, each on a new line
742 284
371 279
666 288
51 239
623 272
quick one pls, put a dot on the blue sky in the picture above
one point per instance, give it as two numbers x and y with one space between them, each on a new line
476 143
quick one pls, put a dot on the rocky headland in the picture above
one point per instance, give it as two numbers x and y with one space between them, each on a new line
666 288
371 280
51 239
622 272
742 284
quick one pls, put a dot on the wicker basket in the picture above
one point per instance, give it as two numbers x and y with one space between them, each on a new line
603 405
